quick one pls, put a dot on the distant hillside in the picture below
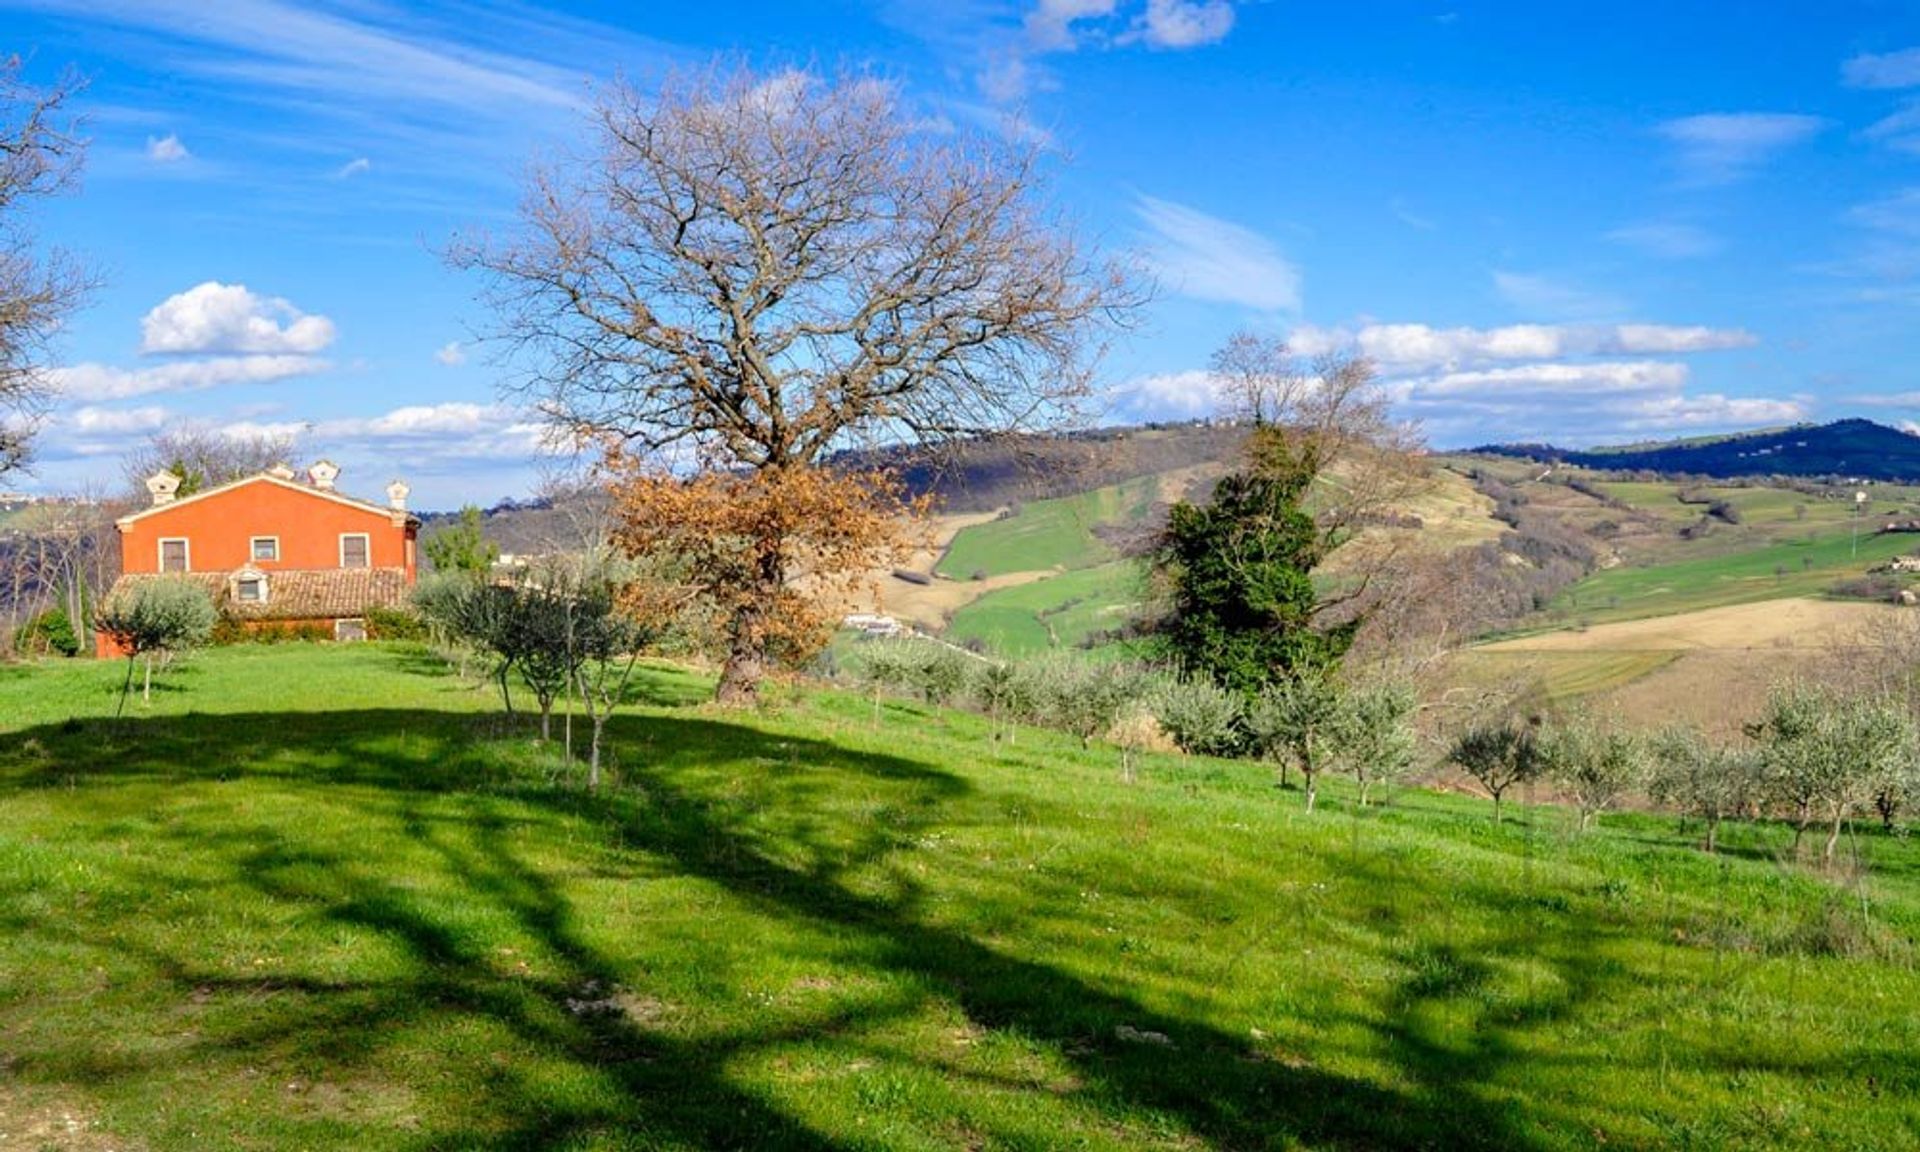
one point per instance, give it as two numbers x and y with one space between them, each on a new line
1847 448
981 475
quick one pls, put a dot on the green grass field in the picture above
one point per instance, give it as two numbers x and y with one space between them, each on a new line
1795 566
329 898
1047 534
1058 612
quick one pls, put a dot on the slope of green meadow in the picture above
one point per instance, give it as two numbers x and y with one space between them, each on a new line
1801 565
328 897
1043 534
1058 612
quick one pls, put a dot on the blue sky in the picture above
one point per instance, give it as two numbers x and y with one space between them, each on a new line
1544 221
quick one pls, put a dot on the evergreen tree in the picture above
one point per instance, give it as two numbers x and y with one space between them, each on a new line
462 546
1239 574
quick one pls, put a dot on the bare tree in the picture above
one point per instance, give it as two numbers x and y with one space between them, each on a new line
205 457
754 271
1331 419
39 156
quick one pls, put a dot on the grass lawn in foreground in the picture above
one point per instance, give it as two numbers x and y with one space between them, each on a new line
326 897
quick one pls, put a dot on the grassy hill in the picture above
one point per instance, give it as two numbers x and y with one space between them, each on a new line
324 897
1859 448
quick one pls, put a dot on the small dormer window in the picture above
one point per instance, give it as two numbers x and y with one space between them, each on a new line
249 587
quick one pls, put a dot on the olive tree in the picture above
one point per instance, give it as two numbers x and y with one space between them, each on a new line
1498 754
749 272
153 617
1707 781
1827 755
1297 721
1595 764
1374 739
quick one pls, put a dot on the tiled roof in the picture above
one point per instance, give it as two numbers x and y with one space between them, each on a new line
297 594
267 478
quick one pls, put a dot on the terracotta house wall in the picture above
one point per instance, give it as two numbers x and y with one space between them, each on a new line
221 527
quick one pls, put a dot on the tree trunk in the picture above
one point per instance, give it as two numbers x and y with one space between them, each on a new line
1312 791
593 752
1713 835
1833 838
146 684
747 641
546 719
1586 818
125 689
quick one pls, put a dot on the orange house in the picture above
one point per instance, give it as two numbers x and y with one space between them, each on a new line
273 552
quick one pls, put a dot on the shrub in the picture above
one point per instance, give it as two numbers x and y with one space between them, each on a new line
395 624
49 633
1202 717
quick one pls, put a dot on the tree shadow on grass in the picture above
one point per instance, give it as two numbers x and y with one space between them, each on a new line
454 808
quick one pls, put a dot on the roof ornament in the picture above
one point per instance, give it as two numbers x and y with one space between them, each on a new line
163 486
322 474
281 470
397 495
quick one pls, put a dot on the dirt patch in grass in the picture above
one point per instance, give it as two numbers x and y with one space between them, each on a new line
37 1122
1769 624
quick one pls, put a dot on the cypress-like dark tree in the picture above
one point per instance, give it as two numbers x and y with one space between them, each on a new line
1239 575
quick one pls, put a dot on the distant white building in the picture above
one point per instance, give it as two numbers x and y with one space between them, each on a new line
873 624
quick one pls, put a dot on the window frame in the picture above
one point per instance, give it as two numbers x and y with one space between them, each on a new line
186 554
366 555
242 581
253 549
350 630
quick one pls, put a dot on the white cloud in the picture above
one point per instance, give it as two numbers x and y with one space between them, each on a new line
1208 258
335 56
1186 23
215 317
442 432
1167 396
451 354
93 421
1541 380
352 168
1668 241
1708 410
1898 214
1554 299
1402 348
166 149
1670 338
1049 26
1883 70
1726 147
88 382
1899 130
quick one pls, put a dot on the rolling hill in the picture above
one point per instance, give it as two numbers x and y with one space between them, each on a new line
1847 448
